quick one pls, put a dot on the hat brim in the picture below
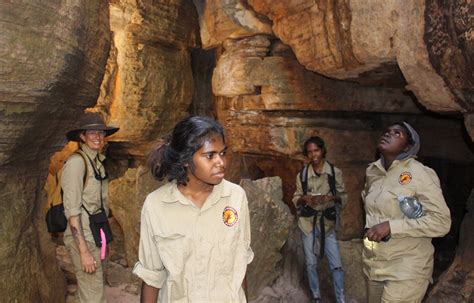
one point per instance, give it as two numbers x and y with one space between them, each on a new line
73 135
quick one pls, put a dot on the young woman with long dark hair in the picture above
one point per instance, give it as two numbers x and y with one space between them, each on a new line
195 230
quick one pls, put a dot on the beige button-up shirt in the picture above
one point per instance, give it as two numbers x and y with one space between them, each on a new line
192 254
409 252
75 194
319 185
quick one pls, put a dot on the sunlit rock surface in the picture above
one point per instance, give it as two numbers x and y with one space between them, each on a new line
149 83
220 20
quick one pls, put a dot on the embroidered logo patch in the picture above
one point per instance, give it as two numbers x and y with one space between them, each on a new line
404 178
230 216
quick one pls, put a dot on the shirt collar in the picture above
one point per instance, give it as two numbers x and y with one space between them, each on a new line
173 195
326 170
92 154
379 164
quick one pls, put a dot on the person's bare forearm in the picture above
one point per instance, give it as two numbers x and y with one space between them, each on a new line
88 263
149 293
77 233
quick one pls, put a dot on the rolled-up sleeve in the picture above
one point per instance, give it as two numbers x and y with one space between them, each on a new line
149 267
72 178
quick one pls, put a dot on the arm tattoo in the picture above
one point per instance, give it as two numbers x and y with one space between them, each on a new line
77 231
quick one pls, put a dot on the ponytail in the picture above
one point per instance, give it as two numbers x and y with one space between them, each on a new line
157 161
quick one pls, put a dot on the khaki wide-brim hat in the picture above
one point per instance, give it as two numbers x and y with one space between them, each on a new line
90 121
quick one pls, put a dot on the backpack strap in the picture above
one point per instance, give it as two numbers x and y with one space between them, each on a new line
332 186
84 178
332 179
86 174
304 178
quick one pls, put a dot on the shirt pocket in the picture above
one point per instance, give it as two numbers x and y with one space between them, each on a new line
173 250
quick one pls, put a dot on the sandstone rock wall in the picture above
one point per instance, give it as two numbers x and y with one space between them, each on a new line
53 57
457 283
270 104
429 40
150 82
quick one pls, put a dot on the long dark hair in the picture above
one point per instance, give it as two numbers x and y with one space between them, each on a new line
170 157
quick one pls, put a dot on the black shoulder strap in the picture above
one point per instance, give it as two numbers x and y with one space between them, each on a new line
332 179
304 179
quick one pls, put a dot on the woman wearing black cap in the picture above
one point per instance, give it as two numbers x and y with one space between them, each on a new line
398 254
84 185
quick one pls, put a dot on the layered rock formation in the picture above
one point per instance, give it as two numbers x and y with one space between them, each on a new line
270 104
53 59
149 82
430 41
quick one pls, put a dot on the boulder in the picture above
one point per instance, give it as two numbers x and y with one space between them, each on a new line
270 221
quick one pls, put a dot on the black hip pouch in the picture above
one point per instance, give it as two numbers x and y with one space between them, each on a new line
330 213
307 211
99 222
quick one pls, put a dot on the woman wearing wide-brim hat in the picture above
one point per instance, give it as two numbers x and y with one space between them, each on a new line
84 184
90 121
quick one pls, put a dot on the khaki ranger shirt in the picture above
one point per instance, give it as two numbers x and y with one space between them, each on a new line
409 252
192 254
320 185
75 194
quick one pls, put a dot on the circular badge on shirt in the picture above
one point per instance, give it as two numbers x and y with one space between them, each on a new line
404 178
230 216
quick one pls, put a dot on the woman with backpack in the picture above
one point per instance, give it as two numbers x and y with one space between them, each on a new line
84 186
320 195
